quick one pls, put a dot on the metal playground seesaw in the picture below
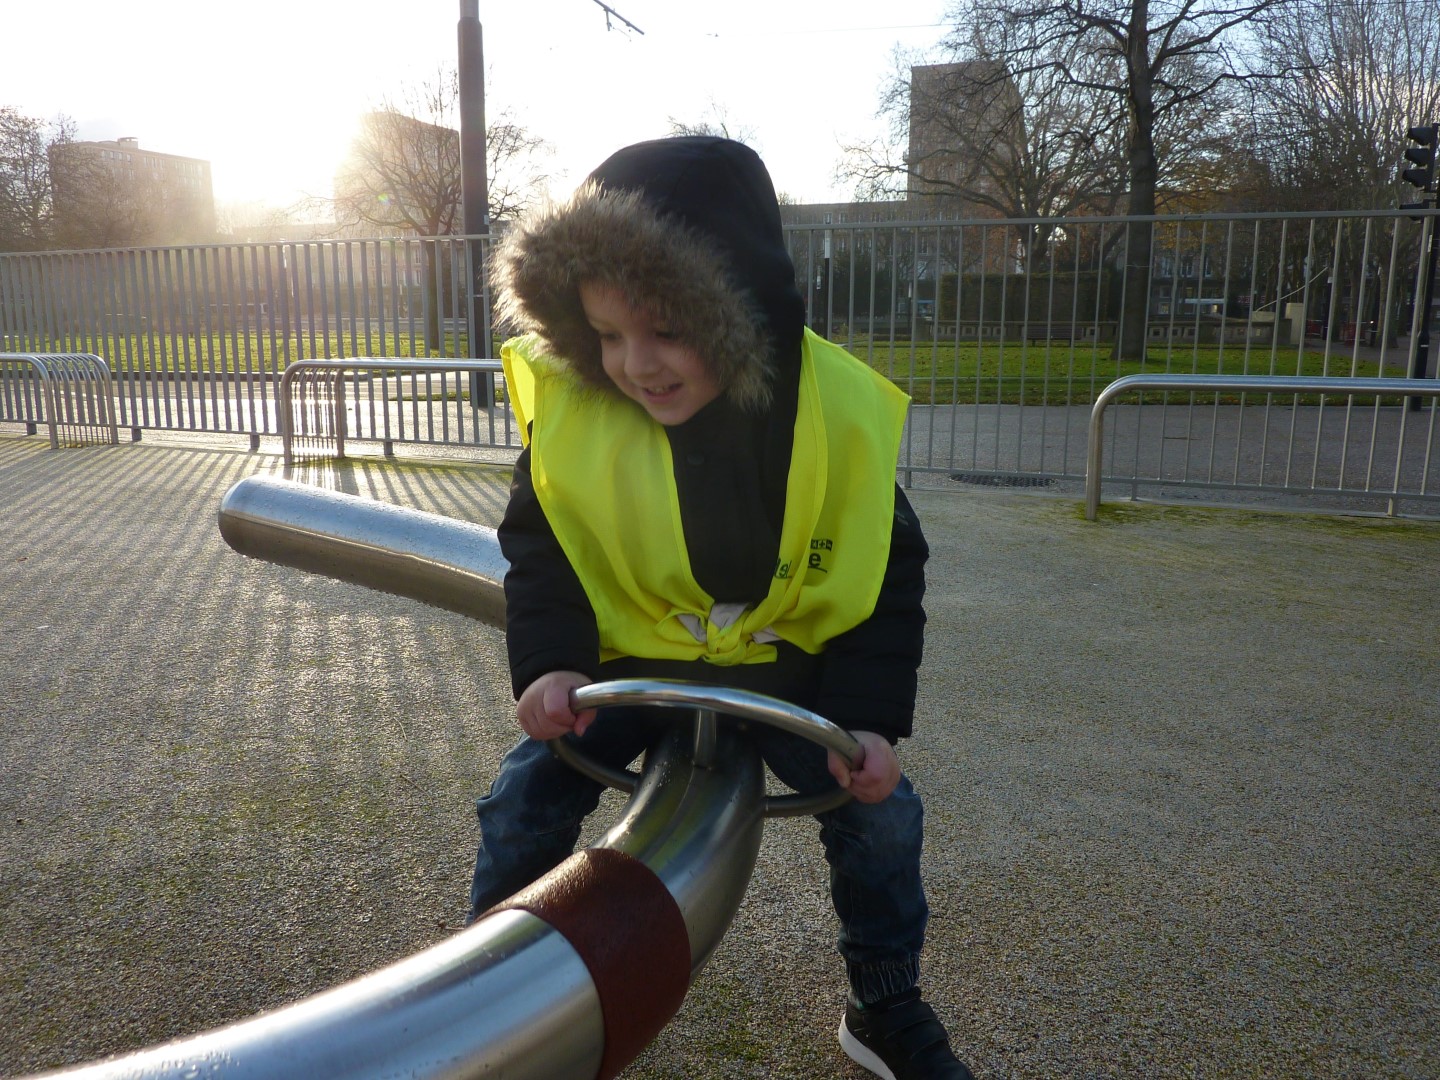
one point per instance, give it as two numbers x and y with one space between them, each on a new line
573 976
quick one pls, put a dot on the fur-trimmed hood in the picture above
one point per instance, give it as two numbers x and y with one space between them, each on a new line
685 228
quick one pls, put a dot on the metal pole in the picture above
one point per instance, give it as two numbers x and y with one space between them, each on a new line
1420 361
474 184
474 191
455 565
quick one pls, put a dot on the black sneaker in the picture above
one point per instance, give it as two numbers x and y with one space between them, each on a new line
901 1041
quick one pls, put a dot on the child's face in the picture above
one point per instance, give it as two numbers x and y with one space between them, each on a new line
644 360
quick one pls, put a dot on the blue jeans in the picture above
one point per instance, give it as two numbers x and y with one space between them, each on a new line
530 822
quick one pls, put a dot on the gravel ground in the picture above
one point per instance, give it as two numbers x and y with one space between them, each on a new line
1179 769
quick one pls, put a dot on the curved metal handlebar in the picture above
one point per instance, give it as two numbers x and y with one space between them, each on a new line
708 701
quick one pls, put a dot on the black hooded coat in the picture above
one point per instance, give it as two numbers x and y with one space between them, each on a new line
689 228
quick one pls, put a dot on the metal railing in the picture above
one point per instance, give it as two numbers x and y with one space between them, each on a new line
71 393
1401 390
313 406
1004 332
198 337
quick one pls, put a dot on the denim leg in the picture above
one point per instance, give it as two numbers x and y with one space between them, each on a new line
531 819
874 855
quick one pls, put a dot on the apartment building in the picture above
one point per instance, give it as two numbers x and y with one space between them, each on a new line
117 193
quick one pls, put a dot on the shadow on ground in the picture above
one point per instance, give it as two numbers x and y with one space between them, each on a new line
1179 769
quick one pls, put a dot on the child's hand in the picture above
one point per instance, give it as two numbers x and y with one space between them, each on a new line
877 774
544 707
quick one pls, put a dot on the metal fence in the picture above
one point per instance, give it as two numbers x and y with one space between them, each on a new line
73 392
198 337
1003 332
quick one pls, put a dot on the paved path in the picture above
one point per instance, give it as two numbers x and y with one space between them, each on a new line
1179 768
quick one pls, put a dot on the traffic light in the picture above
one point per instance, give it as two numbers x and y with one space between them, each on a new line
1422 154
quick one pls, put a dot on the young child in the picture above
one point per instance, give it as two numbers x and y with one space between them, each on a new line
707 492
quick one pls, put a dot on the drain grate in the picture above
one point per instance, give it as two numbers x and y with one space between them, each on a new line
1007 481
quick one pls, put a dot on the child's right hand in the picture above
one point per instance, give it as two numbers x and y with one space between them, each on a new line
544 706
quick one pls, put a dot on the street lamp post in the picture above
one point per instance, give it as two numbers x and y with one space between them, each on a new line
474 192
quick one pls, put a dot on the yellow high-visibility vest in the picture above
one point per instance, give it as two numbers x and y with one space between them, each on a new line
603 473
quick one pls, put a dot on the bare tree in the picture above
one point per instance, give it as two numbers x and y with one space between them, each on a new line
27 193
968 131
1152 58
1017 123
403 172
96 207
113 194
256 220
403 175
971 138
1329 135
715 122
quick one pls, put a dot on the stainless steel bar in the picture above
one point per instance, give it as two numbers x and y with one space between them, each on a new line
1387 309
103 390
286 417
698 828
76 391
440 561
1360 323
510 997
954 402
166 409
233 310
1300 349
1201 273
1250 293
47 399
295 371
397 257
337 400
1275 342
721 699
1224 316
712 700
1276 384
980 310
47 337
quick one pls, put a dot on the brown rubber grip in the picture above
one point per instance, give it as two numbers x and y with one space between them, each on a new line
628 930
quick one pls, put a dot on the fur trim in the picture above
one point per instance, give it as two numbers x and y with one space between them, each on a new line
615 238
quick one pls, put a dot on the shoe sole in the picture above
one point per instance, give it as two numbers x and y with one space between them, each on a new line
862 1055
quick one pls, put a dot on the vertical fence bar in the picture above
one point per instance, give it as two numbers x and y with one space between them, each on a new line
188 324
133 329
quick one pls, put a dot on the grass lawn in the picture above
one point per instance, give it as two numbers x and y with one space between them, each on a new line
242 352
1062 373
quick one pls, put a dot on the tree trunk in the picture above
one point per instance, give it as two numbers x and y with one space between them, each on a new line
431 296
1134 313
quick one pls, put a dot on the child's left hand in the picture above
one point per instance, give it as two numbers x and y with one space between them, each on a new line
877 774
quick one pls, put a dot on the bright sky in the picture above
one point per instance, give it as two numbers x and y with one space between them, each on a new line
269 91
